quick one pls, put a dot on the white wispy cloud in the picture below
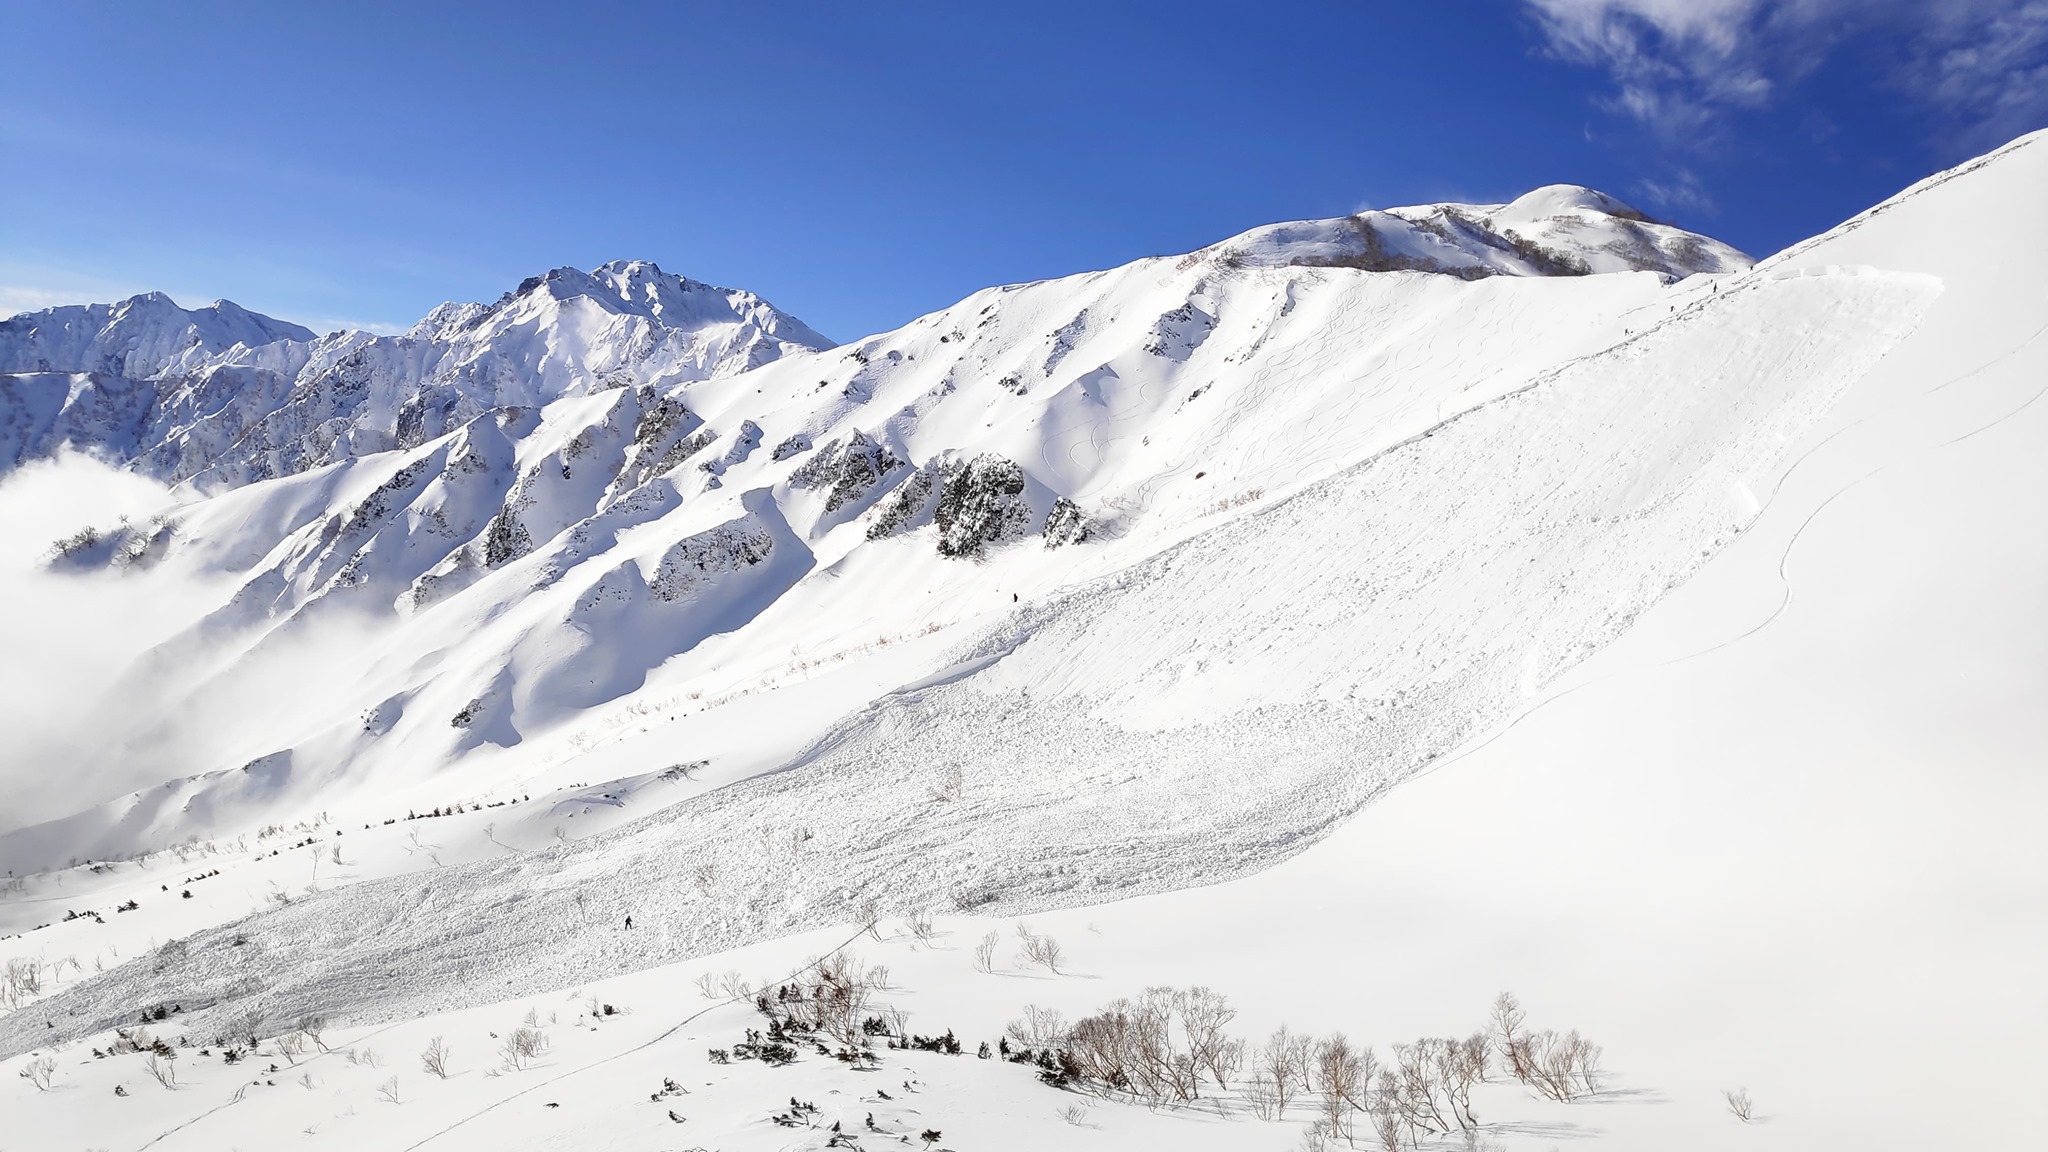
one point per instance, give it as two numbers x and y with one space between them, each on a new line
1681 191
1678 66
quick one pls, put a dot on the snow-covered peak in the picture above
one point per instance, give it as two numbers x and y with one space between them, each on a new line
223 396
1555 230
139 337
1567 199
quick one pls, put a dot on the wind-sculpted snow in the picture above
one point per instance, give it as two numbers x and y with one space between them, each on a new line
1195 716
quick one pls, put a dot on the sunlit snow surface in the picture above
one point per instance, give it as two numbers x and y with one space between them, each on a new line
1704 614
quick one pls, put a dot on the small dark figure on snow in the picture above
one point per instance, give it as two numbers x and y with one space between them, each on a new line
629 921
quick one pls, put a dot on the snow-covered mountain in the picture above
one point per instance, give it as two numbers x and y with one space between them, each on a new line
1675 630
606 474
223 397
140 338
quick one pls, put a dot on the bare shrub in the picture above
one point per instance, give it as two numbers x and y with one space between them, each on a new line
293 1045
1411 1086
1739 1103
1043 951
1039 1028
1342 1076
39 1072
707 986
1458 1065
1157 1047
312 1026
388 1090
136 1039
522 1047
162 1070
20 981
1259 1093
919 925
435 1058
1075 1114
1386 1122
1285 1058
838 993
1203 1016
1562 1068
1506 1028
985 951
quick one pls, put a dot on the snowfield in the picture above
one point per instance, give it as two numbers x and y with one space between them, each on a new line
1356 619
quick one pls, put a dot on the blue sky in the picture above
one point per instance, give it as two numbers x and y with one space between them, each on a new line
859 164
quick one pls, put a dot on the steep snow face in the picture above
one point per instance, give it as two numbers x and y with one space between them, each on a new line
191 404
1557 230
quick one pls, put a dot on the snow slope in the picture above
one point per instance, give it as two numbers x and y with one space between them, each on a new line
1726 663
688 535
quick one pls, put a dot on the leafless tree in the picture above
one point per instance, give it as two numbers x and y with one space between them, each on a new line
162 1071
435 1058
1386 1122
1203 1016
522 1047
1564 1068
1460 1064
313 1025
919 925
1286 1058
1739 1103
39 1072
388 1090
1507 1029
707 986
985 952
1259 1093
22 980
1039 1028
1412 1086
292 1044
1342 1076
1041 950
